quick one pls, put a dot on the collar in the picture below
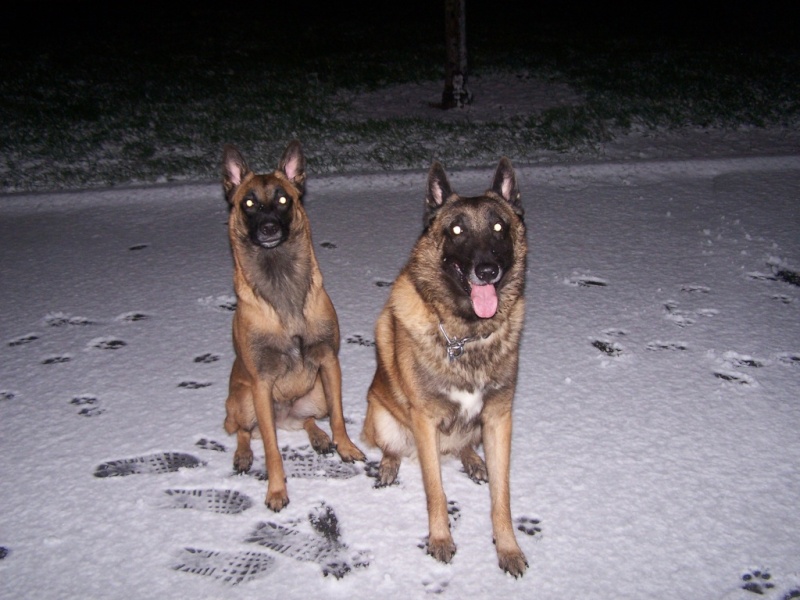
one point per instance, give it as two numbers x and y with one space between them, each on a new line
455 346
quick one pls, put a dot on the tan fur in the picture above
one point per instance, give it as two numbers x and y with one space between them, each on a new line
286 373
422 403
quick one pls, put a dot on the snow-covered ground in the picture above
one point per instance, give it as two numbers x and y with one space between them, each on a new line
656 449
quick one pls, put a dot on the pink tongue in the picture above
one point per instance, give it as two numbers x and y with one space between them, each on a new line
484 300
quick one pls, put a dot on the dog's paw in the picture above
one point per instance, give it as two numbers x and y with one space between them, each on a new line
387 471
349 452
242 461
320 442
277 500
442 550
475 468
512 562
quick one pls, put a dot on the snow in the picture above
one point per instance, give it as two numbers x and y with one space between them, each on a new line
656 451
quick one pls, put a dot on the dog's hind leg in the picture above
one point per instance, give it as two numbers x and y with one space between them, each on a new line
243 457
474 466
388 469
319 439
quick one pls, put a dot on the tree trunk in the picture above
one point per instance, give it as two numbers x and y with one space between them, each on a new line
456 94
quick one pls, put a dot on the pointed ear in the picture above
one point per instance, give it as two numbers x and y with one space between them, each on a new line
293 165
234 170
438 191
505 185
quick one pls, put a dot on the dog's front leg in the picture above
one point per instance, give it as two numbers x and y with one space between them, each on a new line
440 540
496 421
331 374
277 496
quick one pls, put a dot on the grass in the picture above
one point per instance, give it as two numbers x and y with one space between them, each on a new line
98 98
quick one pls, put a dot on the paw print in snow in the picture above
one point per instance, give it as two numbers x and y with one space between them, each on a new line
89 404
608 348
132 317
586 281
742 360
757 582
660 346
528 525
194 385
59 319
223 303
24 339
435 585
788 276
107 344
207 444
206 358
790 358
733 377
359 340
57 360
454 512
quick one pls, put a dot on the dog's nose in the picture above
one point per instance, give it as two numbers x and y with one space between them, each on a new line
270 228
487 272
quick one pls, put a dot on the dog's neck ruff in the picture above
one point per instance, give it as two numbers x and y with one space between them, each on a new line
455 346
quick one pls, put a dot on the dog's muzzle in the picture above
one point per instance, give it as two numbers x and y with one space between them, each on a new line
269 233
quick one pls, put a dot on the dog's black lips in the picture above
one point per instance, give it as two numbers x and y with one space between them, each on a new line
457 271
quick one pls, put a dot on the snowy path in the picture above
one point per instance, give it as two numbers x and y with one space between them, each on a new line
656 444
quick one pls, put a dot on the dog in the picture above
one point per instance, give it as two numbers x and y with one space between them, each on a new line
286 372
447 344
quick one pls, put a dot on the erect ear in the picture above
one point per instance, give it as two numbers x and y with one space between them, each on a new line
438 191
505 185
234 170
293 165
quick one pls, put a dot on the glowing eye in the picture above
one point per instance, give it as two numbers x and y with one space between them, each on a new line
250 204
498 227
282 200
457 230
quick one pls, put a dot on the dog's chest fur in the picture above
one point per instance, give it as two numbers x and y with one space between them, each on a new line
470 403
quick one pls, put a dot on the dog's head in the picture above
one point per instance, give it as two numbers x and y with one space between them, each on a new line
480 241
263 207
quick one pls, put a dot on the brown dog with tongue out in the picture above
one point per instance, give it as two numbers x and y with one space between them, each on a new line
448 351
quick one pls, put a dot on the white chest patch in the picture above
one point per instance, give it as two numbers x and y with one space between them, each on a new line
471 402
